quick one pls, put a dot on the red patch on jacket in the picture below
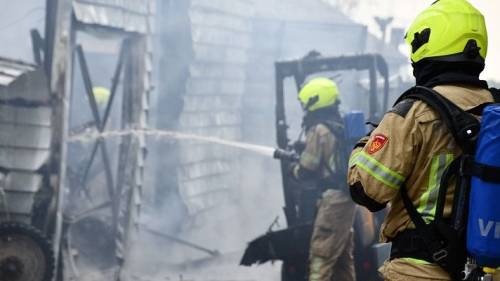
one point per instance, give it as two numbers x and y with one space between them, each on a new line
377 143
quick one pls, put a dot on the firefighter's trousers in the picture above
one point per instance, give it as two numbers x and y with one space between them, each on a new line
412 270
331 255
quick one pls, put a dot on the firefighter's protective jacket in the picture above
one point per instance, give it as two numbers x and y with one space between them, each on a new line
411 146
321 149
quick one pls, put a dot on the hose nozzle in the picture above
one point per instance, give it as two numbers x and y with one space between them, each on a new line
282 154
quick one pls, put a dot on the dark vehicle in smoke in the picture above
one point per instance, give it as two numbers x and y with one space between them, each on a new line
291 245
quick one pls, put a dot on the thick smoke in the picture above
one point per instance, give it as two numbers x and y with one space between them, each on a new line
214 77
16 20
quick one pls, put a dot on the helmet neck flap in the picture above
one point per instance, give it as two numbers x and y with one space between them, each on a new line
430 73
328 116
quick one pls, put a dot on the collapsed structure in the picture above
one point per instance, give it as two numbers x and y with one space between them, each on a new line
44 199
216 62
213 63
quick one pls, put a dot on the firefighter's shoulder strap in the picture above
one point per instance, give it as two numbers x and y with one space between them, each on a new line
496 94
463 126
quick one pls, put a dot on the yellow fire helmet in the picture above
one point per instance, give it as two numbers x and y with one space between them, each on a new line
449 30
101 95
318 93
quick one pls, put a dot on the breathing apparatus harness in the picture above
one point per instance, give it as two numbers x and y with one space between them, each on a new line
442 241
330 117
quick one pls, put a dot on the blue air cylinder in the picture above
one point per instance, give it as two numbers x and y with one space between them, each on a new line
483 230
355 127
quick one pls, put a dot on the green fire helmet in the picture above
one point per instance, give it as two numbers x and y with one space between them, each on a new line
318 93
449 30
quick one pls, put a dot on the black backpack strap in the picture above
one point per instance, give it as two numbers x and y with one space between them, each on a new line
478 110
341 156
496 94
434 243
463 126
452 170
485 172
439 239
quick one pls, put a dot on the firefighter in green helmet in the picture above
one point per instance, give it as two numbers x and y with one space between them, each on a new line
402 162
323 161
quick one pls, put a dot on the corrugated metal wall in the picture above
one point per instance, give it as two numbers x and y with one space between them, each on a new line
217 79
25 137
221 36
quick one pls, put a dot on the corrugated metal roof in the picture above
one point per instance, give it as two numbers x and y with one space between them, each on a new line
127 15
10 70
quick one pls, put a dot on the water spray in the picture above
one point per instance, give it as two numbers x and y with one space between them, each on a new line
163 134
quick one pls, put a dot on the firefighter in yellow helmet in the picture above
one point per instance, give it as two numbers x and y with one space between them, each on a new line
409 151
101 96
323 161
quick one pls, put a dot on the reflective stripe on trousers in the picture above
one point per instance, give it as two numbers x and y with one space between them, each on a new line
316 264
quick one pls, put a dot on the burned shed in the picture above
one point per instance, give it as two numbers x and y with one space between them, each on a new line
216 78
108 83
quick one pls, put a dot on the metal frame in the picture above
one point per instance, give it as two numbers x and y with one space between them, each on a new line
133 57
38 44
100 123
115 183
56 53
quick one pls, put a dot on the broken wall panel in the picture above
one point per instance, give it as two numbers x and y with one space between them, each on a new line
39 116
216 70
239 8
220 19
221 37
197 187
216 36
22 181
127 15
29 85
203 169
210 201
207 53
215 87
203 58
210 119
209 104
222 132
25 137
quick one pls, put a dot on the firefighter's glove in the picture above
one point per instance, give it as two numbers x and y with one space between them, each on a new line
299 146
287 155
